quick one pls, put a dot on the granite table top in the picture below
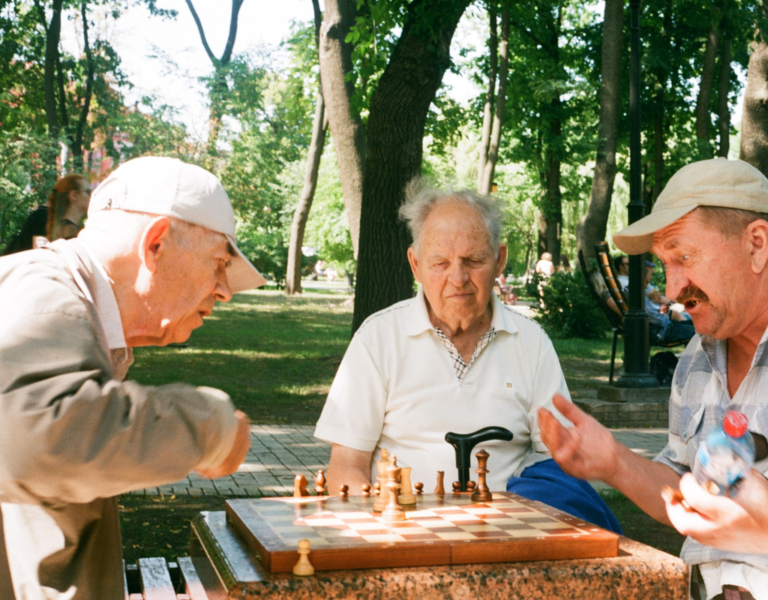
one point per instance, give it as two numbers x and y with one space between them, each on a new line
227 566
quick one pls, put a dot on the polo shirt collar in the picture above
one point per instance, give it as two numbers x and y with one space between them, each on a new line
418 319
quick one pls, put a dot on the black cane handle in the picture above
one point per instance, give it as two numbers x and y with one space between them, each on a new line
463 443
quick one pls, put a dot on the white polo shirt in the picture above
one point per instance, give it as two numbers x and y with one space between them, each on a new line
397 389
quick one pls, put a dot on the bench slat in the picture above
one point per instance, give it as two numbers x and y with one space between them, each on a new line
194 587
155 579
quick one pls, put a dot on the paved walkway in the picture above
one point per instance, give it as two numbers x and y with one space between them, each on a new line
279 453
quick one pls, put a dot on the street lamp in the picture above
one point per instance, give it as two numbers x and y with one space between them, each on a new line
636 374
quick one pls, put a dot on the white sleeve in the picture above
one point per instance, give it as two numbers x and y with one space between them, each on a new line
353 414
548 381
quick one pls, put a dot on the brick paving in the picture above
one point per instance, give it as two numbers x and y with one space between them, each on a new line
279 453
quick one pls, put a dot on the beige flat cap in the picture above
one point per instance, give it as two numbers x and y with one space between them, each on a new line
715 182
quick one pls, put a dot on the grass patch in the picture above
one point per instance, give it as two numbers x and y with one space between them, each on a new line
275 355
159 526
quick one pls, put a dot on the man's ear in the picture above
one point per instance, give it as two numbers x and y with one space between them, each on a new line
501 260
154 242
414 262
756 235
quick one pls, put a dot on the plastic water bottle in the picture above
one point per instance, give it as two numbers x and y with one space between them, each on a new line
726 455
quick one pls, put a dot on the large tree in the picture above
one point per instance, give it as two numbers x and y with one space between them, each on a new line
592 227
398 113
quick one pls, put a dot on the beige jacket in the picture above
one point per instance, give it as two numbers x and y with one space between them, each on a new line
72 436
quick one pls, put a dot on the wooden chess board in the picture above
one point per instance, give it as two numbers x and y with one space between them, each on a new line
345 533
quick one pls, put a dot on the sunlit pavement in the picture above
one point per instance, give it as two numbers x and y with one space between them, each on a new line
279 453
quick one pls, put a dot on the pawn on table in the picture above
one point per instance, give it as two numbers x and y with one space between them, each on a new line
344 490
303 567
321 488
366 490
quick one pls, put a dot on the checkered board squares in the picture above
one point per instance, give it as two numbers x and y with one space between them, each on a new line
345 533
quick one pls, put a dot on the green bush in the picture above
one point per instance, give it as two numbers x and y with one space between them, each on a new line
569 309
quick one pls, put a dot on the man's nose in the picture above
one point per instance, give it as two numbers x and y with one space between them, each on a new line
458 275
221 292
676 282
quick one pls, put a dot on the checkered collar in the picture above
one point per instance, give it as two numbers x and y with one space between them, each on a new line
418 320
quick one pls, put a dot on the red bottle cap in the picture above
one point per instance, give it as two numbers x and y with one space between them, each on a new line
735 423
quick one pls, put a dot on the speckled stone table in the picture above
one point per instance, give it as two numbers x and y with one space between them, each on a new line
229 570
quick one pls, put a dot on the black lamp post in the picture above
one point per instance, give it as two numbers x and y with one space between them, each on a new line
636 373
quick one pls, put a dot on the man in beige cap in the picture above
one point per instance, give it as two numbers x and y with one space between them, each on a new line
157 252
710 228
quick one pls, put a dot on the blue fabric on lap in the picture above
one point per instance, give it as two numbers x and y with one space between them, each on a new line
548 483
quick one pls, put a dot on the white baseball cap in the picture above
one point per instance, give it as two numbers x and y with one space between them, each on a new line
172 188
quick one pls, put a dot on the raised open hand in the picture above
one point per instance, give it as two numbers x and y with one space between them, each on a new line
587 450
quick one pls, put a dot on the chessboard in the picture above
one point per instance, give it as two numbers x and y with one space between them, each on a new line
345 532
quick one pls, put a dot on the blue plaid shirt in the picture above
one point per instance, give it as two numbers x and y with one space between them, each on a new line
698 401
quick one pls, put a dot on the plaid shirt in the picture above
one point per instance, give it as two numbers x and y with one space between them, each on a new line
698 401
459 365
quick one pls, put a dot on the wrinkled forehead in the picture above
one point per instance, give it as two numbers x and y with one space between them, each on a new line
454 222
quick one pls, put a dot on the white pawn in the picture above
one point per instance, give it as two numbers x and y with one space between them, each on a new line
303 567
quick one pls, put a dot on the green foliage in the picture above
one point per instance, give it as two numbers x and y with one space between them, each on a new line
569 310
26 176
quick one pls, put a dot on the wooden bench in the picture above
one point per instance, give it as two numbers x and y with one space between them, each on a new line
156 579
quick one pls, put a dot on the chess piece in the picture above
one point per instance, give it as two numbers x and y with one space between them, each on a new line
439 489
456 487
471 486
376 488
344 490
303 568
406 495
321 488
300 486
366 490
393 512
419 488
482 493
381 500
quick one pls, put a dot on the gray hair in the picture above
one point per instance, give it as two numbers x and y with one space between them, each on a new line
420 202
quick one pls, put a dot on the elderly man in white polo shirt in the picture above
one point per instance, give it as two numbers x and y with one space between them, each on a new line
454 358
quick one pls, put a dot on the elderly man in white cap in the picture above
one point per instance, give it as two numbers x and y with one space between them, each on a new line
157 253
710 228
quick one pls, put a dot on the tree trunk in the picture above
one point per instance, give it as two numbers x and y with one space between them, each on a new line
553 209
658 155
705 92
754 123
501 99
493 42
53 34
723 111
62 94
301 215
77 142
398 113
592 227
347 129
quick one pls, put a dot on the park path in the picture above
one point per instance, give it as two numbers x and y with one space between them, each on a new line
279 452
